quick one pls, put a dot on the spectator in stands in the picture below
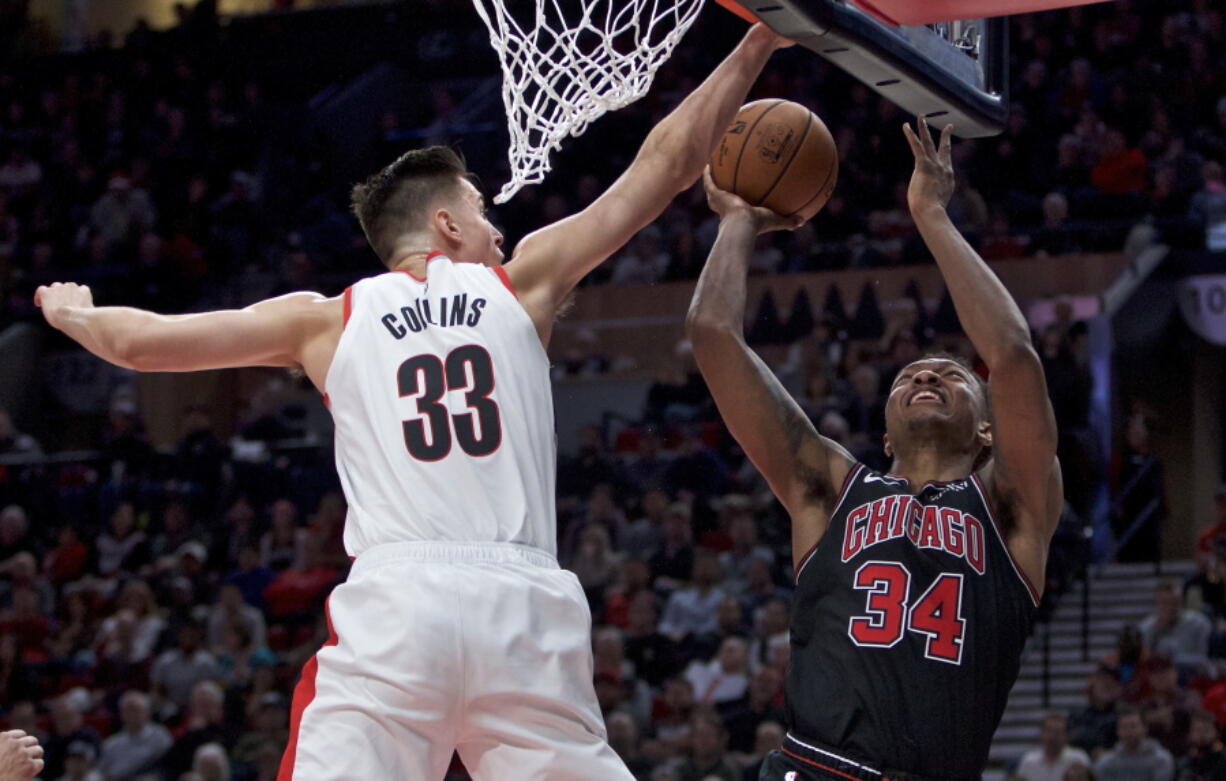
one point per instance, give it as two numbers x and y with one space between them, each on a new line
13 442
68 726
1140 497
1208 206
15 532
672 564
594 563
1176 633
177 671
624 739
1215 528
708 746
692 610
1092 728
1135 755
723 679
654 655
268 728
210 763
123 213
281 546
1054 236
1205 758
251 576
122 547
298 592
760 704
736 563
79 763
230 610
1165 706
66 562
1054 756
139 745
132 633
204 723
633 579
644 536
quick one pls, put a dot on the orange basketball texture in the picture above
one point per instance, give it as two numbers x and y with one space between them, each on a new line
777 154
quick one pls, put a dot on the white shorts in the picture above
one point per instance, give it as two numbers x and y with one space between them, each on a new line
434 647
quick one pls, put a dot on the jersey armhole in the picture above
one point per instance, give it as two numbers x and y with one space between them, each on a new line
506 280
847 482
1004 543
347 305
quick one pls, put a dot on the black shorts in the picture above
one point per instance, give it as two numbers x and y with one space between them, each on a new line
798 760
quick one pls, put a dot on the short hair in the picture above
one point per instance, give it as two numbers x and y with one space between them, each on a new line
396 199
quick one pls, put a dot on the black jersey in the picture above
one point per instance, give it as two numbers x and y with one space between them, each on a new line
908 624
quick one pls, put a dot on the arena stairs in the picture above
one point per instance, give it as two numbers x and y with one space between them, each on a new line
1119 594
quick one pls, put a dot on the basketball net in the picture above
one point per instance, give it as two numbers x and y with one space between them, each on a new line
562 69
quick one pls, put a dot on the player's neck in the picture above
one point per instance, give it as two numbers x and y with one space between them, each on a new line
925 465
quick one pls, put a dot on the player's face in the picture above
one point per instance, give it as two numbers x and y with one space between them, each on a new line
482 241
934 391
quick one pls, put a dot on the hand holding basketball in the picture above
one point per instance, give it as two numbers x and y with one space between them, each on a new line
725 204
932 183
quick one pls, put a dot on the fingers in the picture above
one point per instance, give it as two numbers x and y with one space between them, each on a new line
14 733
27 741
912 141
707 182
947 134
925 134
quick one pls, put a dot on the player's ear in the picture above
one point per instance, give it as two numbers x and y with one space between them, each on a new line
889 449
984 433
445 224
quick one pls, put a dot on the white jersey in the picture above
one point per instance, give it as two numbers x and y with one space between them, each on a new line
444 412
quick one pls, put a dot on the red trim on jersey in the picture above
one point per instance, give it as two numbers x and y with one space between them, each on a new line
434 254
327 402
304 694
847 481
808 761
1000 535
347 307
410 273
506 280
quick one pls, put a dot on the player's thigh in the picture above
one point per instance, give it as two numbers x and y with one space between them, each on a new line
378 700
540 744
530 707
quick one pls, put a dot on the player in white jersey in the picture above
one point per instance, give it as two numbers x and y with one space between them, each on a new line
455 629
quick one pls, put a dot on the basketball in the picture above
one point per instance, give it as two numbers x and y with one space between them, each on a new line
777 154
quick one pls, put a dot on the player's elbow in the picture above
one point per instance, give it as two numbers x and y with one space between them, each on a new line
703 328
1015 354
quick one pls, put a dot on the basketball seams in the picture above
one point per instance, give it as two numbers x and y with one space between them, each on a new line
787 166
736 169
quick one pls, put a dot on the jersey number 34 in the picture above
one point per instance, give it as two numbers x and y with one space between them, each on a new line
478 429
937 614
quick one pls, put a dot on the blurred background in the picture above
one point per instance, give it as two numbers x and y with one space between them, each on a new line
166 541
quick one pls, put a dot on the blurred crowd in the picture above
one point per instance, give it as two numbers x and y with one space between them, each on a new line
163 173
156 606
1156 704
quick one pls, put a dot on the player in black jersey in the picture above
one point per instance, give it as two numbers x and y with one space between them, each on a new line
917 588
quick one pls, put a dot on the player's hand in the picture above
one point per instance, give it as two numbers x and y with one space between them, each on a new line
20 755
932 182
726 204
763 32
58 297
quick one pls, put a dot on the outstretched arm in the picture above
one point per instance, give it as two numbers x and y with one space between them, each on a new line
803 468
278 332
1024 469
551 261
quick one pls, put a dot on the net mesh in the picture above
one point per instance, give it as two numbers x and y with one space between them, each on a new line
565 63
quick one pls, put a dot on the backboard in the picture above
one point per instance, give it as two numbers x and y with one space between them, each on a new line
951 72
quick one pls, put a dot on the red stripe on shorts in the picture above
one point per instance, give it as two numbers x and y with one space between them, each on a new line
348 305
304 693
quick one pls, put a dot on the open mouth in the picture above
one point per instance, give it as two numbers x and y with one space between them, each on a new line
926 397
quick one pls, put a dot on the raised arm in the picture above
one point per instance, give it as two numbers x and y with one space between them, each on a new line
293 330
803 468
551 261
1023 474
